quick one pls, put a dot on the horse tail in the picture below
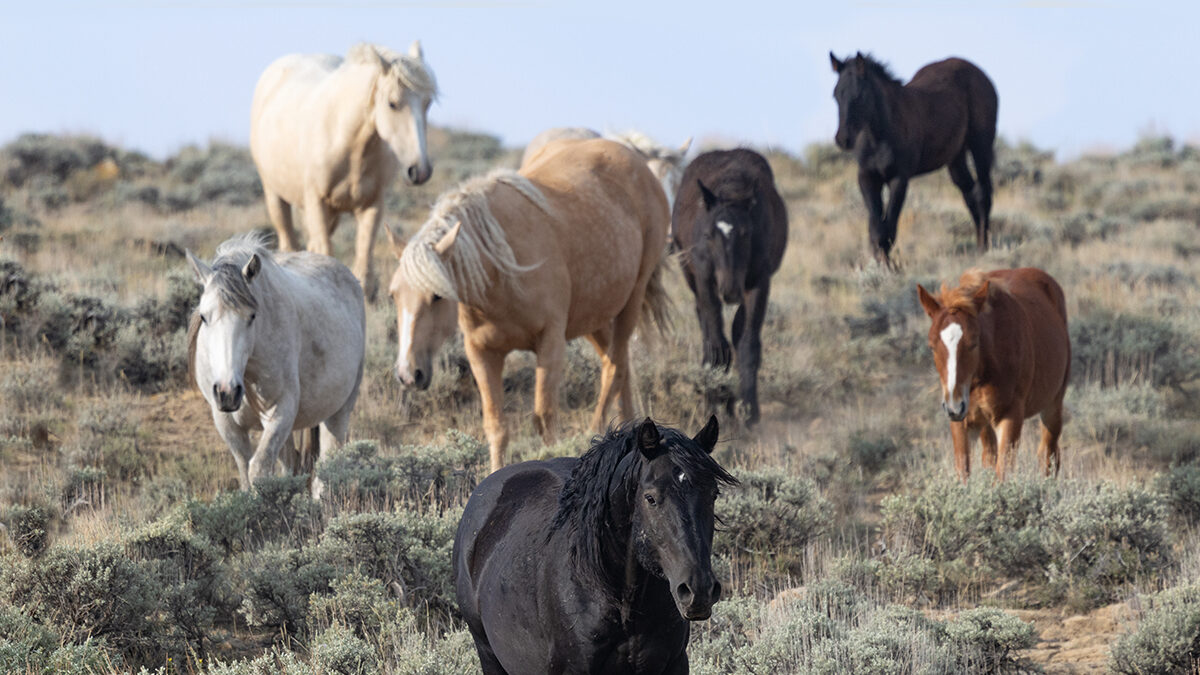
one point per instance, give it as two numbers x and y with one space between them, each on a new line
656 303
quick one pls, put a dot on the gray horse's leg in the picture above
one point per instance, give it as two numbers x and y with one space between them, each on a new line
334 432
238 441
277 427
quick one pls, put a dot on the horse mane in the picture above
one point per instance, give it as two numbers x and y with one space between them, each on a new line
962 298
414 74
462 274
644 145
584 507
879 68
232 255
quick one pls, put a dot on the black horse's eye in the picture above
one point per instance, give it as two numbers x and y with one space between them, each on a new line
650 500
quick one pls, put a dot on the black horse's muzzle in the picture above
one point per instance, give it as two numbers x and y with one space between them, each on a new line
696 597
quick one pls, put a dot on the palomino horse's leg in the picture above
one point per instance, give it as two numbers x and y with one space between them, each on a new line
551 354
747 332
319 221
488 368
1048 451
239 444
962 450
618 355
966 185
1008 431
364 245
280 213
602 341
987 439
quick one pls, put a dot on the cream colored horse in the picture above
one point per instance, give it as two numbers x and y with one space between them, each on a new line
328 135
666 163
276 343
570 246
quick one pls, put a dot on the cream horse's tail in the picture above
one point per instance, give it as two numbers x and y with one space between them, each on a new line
656 303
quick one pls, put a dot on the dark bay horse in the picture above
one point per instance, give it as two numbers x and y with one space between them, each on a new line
898 131
595 564
732 226
1003 353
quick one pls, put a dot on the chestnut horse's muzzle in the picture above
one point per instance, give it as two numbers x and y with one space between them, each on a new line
957 413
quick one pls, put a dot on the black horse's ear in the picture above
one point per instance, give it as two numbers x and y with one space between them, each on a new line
710 199
837 65
648 439
860 64
707 438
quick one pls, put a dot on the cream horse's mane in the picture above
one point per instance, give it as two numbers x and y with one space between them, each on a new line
462 274
412 72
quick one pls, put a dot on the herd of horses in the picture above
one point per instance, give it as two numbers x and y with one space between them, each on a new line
599 563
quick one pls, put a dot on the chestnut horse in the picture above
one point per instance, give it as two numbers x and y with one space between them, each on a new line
1003 354
570 246
898 131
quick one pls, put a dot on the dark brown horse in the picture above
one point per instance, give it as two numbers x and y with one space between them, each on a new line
898 131
732 225
1002 350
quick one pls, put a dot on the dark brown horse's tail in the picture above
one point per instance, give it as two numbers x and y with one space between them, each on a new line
656 303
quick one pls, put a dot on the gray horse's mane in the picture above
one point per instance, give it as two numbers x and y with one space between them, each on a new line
462 274
232 256
636 140
414 74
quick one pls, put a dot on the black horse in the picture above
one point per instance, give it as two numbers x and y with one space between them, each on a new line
596 564
731 224
898 131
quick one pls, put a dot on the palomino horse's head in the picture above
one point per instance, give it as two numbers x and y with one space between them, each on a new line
227 311
672 520
726 234
954 339
859 99
425 319
403 92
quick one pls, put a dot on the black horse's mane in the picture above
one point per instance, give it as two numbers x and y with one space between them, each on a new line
879 68
583 505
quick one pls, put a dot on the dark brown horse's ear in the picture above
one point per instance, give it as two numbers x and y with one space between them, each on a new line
710 199
860 64
707 438
648 438
837 65
981 296
928 302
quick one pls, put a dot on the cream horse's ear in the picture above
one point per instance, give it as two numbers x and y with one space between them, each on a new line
687 145
398 243
447 239
414 50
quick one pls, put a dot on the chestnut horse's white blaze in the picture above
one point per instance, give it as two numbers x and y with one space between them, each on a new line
951 335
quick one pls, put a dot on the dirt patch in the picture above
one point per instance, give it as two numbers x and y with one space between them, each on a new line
1076 644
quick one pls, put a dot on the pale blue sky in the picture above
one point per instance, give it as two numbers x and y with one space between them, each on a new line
1072 76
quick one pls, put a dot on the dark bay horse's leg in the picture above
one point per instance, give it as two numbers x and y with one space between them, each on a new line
984 155
970 192
747 340
897 190
708 310
871 187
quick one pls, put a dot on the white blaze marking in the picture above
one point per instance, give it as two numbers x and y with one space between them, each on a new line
950 336
406 336
725 228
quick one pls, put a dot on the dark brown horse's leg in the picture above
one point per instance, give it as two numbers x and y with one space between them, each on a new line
961 175
747 340
984 156
871 187
897 190
708 310
962 450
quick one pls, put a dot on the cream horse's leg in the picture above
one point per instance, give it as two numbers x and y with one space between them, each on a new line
277 426
280 213
319 221
551 354
238 441
364 247
488 368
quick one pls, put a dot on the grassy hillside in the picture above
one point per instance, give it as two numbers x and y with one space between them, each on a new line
849 548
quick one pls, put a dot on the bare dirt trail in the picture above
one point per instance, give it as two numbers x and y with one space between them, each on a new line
1079 643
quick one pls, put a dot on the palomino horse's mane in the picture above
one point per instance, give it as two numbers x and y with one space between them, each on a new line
462 274
584 509
961 298
413 73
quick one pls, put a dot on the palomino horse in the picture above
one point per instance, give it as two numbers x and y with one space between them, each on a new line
1003 354
592 565
570 246
666 163
277 343
329 136
899 131
732 227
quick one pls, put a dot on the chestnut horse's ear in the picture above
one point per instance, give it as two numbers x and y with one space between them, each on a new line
710 199
981 296
707 437
396 241
648 439
837 65
928 302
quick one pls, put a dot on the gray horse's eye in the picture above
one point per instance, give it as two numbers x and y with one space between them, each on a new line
204 319
252 315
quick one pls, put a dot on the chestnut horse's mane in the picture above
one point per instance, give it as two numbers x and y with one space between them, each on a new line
962 298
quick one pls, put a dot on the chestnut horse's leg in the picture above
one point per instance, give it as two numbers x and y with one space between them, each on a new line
962 450
488 368
1048 451
1008 431
747 332
987 442
551 352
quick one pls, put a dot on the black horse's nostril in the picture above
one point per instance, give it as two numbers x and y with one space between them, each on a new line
684 592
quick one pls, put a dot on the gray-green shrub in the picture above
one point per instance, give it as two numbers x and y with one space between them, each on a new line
1166 639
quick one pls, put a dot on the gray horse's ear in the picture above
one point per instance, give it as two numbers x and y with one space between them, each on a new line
710 199
253 265
202 271
648 439
447 239
707 438
414 50
837 65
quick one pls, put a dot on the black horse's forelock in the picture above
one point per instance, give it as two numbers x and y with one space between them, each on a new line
584 509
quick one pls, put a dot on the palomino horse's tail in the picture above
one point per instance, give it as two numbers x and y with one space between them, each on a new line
656 303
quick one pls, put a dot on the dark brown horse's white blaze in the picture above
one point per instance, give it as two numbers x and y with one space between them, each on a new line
1003 354
897 131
